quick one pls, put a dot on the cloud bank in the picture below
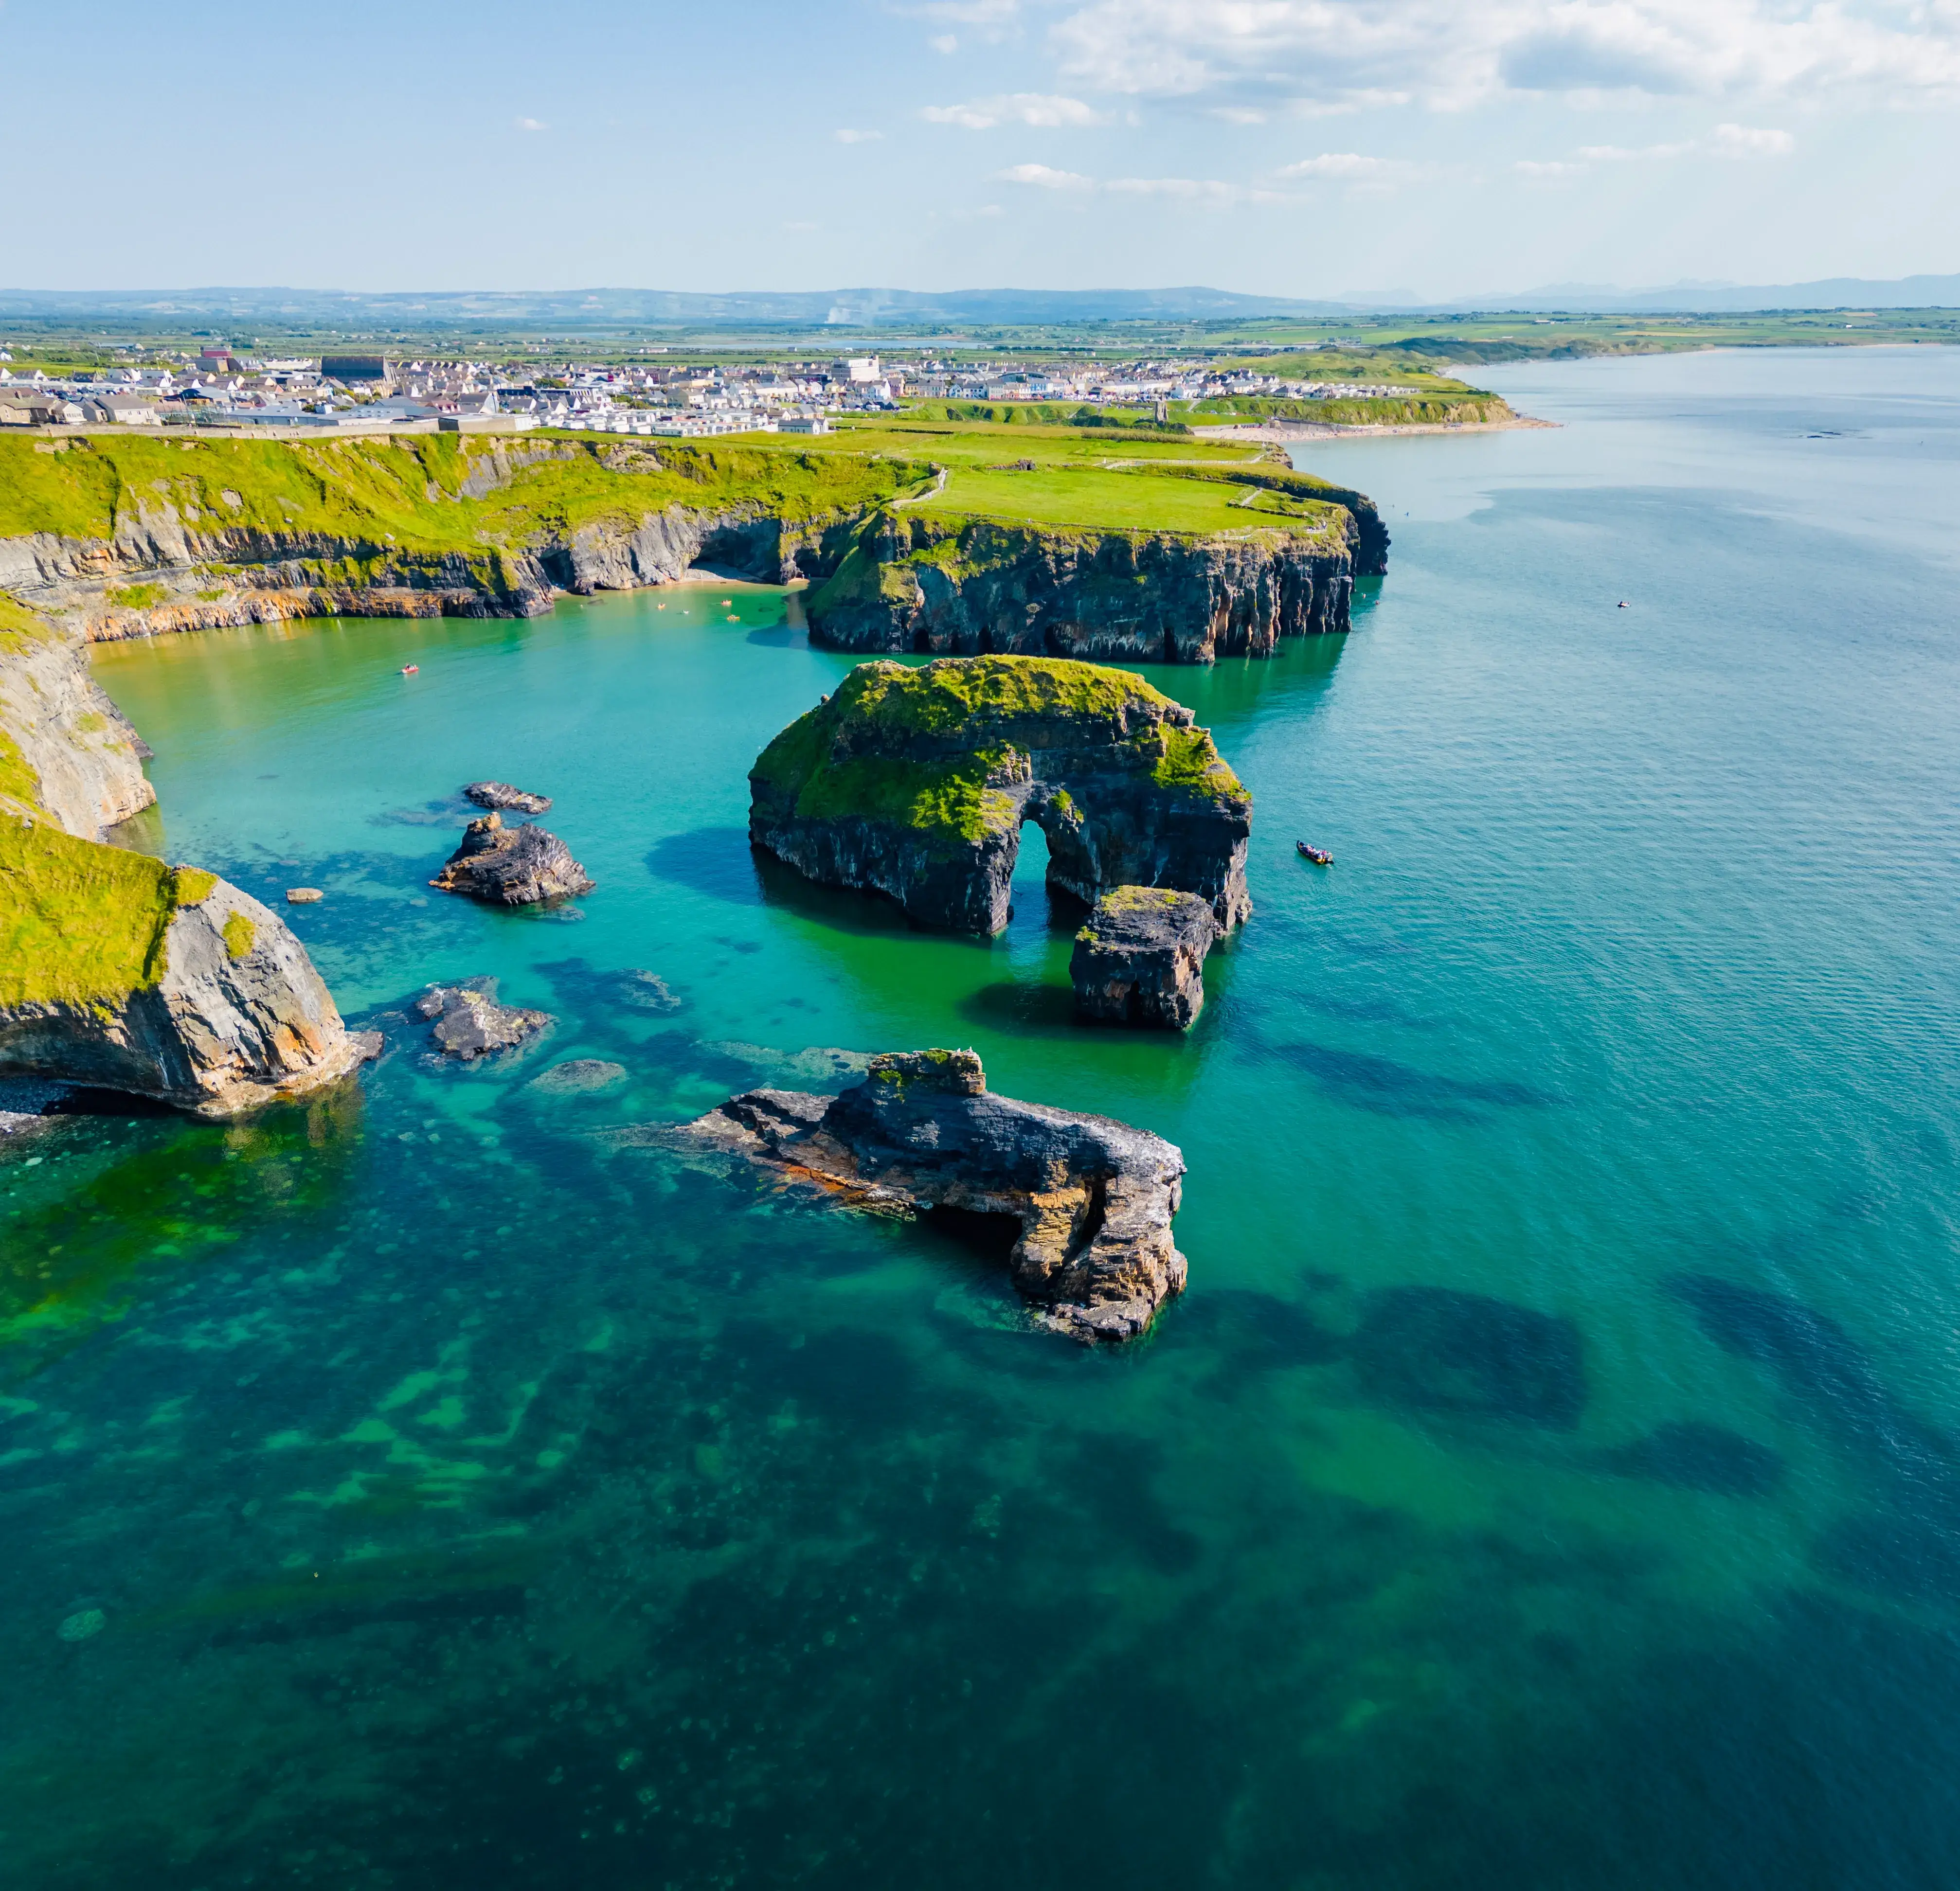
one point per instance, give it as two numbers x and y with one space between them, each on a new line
1454 54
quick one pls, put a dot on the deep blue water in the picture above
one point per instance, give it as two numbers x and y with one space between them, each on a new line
1550 1483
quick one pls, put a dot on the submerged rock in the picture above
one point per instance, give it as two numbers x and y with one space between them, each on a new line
511 866
500 794
639 991
579 1076
304 896
915 782
162 982
1141 959
470 1023
1093 1198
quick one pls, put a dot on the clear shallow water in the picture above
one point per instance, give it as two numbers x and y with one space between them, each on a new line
1552 1478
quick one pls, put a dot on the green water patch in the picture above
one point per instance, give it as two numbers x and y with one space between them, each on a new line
153 1199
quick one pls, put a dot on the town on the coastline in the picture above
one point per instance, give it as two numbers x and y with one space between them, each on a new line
356 392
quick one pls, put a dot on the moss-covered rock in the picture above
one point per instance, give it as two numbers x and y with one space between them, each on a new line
116 970
915 782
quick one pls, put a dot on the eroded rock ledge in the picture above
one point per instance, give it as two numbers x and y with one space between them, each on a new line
1094 1197
915 782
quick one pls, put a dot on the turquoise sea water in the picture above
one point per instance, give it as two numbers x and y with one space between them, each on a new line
1550 1479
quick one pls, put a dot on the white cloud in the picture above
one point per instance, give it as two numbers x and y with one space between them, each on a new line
803 228
1746 140
1725 141
1342 165
971 13
1239 114
1184 189
1047 179
1633 154
532 125
1527 167
846 136
1016 108
1455 53
944 42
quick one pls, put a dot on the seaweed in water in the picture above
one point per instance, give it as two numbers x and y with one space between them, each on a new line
1436 1349
1818 1364
1391 1088
1696 1456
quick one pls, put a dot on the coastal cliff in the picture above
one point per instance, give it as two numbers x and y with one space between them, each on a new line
120 537
116 970
915 784
114 537
64 747
976 586
939 581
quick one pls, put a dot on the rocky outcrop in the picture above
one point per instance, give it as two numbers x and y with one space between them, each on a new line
164 982
511 866
1093 1199
936 582
64 747
467 1022
915 782
501 794
1141 959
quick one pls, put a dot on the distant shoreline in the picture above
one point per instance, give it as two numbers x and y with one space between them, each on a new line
1284 433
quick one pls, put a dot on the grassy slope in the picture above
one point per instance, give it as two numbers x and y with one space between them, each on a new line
79 921
408 490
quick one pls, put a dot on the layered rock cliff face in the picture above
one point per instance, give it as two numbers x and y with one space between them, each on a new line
64 747
925 582
162 573
165 982
915 782
1093 1198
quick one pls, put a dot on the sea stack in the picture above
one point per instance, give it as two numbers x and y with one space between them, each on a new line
1141 959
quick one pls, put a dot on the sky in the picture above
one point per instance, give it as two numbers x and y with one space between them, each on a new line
1435 148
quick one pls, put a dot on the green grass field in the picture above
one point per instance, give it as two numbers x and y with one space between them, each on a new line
1093 498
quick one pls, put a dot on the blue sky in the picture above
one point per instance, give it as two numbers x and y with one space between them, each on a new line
1285 147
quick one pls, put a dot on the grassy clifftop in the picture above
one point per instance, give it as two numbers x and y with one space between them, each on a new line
82 922
438 493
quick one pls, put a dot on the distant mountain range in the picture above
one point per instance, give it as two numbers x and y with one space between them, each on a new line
586 309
